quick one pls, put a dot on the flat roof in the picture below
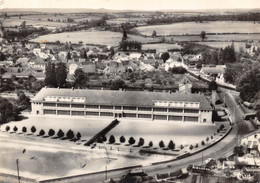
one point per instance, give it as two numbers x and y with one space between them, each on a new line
123 98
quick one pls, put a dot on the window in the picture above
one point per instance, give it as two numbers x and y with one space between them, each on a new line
129 108
160 109
63 112
92 106
45 111
191 111
49 104
106 107
193 119
77 105
90 113
118 107
77 113
160 117
63 105
106 114
175 118
144 116
204 120
129 115
175 110
144 109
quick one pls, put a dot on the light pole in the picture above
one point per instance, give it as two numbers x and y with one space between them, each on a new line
17 165
106 173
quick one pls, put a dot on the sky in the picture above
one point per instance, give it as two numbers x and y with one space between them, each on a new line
134 4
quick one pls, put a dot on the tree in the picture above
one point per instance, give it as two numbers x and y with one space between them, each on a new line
124 35
104 138
79 136
154 34
197 145
239 151
131 140
112 139
7 128
33 129
165 56
51 132
171 145
122 139
60 133
150 144
2 56
191 147
181 146
70 134
15 128
42 132
202 143
141 142
203 35
24 129
23 25
112 52
207 139
161 144
50 75
79 77
8 111
213 86
61 74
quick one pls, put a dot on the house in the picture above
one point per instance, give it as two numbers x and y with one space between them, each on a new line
185 85
37 64
214 73
172 63
24 74
251 142
115 67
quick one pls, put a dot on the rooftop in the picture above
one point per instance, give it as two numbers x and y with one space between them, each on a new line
125 98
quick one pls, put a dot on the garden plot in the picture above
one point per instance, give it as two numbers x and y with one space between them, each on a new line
155 131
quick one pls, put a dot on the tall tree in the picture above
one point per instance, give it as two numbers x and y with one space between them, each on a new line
203 35
61 74
50 78
154 34
79 77
165 56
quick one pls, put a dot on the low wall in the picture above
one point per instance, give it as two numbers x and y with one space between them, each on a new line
13 178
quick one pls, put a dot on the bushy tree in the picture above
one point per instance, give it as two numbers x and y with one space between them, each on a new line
197 145
24 129
154 34
60 133
239 151
141 142
112 139
191 147
79 77
51 132
203 35
70 134
202 143
122 139
150 144
61 74
42 132
79 136
104 138
15 128
50 76
7 128
131 140
33 129
171 145
161 144
165 56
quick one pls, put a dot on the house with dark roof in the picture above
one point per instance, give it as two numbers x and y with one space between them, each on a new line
139 105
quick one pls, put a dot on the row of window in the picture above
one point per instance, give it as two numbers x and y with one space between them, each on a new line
156 109
128 115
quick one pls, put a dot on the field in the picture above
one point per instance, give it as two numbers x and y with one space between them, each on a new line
237 45
125 20
92 37
193 28
161 47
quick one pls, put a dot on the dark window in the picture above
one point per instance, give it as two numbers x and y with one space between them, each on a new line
92 106
77 105
61 112
45 111
191 111
90 113
77 113
175 118
144 116
129 108
118 107
129 115
189 118
106 107
63 105
144 109
49 104
106 114
160 117
160 109
175 110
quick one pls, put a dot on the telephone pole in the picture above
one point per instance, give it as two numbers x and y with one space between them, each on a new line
17 164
